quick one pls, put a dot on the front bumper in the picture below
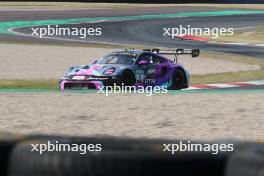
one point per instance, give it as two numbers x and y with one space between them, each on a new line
67 84
91 83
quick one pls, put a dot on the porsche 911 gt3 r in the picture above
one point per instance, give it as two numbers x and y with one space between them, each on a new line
130 68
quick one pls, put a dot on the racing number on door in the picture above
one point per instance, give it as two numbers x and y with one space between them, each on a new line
146 73
140 75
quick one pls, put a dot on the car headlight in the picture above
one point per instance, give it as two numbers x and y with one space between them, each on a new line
109 71
66 76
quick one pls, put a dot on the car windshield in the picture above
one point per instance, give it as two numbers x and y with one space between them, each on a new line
118 58
86 67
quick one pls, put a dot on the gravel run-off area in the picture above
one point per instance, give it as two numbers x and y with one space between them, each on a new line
197 116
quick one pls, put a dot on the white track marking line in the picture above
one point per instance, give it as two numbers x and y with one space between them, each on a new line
193 88
241 44
226 85
222 85
261 82
249 27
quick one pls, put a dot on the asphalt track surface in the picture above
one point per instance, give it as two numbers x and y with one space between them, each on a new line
150 33
140 32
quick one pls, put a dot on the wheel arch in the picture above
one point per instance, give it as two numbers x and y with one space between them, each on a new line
129 71
185 73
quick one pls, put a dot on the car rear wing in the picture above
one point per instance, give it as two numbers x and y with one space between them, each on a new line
193 52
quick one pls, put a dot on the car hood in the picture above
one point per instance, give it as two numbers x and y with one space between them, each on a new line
99 69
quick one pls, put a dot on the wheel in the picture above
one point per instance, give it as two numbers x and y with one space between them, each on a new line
67 86
246 162
127 78
7 143
118 157
178 80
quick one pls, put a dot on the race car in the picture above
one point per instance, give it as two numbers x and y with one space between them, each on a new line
136 68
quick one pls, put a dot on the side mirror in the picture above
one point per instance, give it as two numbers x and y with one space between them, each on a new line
94 62
143 63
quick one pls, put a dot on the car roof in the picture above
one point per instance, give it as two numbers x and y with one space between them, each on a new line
137 52
129 51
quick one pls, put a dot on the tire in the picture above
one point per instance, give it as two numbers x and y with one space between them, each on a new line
7 143
246 162
67 86
119 157
178 80
127 78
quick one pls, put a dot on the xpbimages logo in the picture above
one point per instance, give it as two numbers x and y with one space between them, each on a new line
62 147
215 32
188 146
63 31
148 90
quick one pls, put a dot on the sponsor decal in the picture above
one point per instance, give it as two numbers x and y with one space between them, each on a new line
151 71
140 75
150 81
78 78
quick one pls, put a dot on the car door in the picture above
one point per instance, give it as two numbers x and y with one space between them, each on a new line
161 65
163 70
150 79
145 73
